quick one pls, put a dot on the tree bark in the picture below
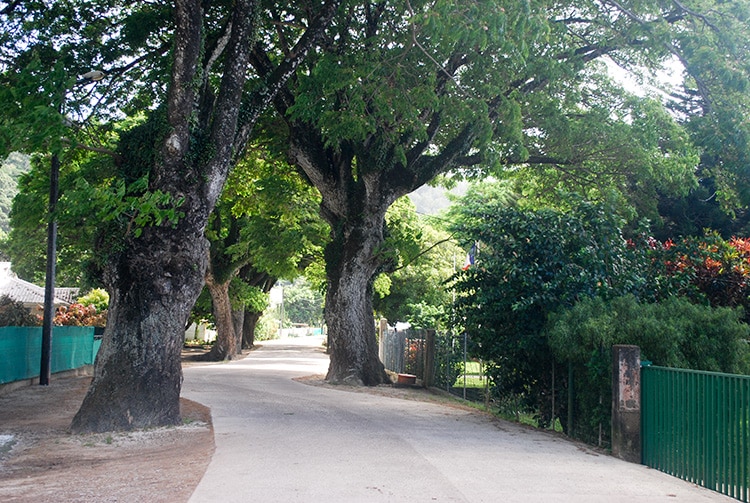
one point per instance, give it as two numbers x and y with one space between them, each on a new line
138 372
248 329
351 327
225 347
352 262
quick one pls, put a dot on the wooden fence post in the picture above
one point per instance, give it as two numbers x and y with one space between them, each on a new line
429 359
382 334
626 403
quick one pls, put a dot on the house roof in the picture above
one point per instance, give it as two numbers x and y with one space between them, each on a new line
29 293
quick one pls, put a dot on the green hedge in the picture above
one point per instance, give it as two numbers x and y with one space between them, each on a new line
672 333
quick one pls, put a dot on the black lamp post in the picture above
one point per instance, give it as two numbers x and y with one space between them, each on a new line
49 281
45 368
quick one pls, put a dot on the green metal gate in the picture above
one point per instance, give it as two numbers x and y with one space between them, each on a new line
695 426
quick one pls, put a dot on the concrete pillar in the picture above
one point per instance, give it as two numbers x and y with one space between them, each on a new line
626 403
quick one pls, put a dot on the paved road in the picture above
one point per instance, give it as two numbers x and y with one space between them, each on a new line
278 440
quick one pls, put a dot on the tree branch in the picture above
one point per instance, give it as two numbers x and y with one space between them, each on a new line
276 80
99 150
188 31
226 114
423 252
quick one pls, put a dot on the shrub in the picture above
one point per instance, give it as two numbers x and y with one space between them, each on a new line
98 297
78 315
674 333
15 314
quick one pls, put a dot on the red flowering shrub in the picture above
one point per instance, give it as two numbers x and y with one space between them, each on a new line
79 315
708 270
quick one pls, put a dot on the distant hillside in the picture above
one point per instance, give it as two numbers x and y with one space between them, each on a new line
11 169
433 200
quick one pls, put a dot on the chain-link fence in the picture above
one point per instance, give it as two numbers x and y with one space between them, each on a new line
437 360
442 360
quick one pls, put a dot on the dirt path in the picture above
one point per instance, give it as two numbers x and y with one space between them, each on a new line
41 461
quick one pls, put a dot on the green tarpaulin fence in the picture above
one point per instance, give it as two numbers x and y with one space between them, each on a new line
21 350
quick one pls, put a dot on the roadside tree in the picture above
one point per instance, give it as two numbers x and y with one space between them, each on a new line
405 93
264 227
187 63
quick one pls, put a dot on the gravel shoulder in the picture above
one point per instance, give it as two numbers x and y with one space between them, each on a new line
40 460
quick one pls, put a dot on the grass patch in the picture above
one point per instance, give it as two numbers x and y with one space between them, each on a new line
473 376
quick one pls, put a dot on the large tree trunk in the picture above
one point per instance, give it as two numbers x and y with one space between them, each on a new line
225 347
248 328
155 280
352 263
138 370
354 203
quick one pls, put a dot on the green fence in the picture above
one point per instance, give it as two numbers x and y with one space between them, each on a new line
21 350
696 426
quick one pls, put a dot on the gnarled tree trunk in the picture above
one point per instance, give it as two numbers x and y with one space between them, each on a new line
349 315
354 203
154 281
138 371
225 347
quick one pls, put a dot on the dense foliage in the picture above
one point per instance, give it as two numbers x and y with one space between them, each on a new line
708 269
529 265
14 314
674 332
552 290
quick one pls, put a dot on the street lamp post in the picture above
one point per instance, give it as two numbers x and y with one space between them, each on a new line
45 367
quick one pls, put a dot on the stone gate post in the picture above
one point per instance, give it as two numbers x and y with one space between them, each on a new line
626 402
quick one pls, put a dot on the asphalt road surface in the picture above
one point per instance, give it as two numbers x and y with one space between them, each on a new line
279 440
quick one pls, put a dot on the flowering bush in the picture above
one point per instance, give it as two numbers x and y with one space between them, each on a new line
79 315
708 270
